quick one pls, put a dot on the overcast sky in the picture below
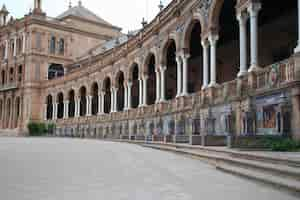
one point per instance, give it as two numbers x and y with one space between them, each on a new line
126 14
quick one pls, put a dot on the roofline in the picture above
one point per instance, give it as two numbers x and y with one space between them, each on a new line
90 21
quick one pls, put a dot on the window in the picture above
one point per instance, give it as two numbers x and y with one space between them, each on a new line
61 46
55 70
11 74
52 45
20 70
2 77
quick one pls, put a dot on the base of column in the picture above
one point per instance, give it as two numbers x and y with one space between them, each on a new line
89 115
241 74
204 87
212 85
297 49
254 68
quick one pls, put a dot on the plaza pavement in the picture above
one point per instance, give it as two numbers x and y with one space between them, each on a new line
74 169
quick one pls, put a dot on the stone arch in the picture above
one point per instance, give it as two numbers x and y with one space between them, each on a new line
83 100
60 105
107 94
135 90
71 99
170 63
164 47
149 70
49 103
95 98
120 81
214 14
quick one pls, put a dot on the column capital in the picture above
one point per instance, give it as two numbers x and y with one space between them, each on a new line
242 17
254 8
205 43
163 68
129 83
145 77
213 38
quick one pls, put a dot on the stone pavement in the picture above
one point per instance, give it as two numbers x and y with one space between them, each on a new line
56 169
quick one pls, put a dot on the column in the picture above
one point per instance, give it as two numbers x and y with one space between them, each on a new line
45 112
185 59
100 111
157 86
125 97
102 102
179 76
24 43
163 83
15 46
6 49
66 109
140 92
129 85
115 100
89 105
112 99
242 18
205 46
54 117
253 10
213 62
77 107
145 78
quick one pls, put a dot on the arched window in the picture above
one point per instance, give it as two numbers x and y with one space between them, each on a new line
55 70
71 104
2 77
52 45
61 46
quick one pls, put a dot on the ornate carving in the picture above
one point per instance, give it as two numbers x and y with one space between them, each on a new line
204 6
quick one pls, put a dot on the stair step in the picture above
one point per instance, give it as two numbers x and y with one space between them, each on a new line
286 183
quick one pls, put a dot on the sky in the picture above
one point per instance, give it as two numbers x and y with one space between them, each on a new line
126 14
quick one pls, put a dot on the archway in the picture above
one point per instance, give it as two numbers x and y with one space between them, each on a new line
228 44
120 91
151 82
17 111
60 105
278 35
195 64
135 93
95 98
82 95
107 95
49 107
71 104
171 72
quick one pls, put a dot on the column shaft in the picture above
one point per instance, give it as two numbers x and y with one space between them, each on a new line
243 44
24 43
163 82
157 86
253 10
140 92
205 46
213 62
145 90
129 85
15 46
125 97
179 76
185 59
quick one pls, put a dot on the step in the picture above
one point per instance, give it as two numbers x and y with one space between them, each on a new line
275 181
285 174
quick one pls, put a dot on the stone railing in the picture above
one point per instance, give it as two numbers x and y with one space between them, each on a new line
9 86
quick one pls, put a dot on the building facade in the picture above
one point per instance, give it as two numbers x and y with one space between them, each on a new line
201 67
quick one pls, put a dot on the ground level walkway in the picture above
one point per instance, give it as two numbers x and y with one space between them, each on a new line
58 168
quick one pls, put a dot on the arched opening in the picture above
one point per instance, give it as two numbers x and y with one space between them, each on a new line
107 95
82 96
120 92
228 44
95 99
17 109
71 104
278 35
60 105
151 84
1 112
171 72
55 70
8 113
195 68
49 107
2 77
135 86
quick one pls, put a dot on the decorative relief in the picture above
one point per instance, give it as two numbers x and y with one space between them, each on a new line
204 6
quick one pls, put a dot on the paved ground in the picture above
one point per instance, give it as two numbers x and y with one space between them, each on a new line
72 169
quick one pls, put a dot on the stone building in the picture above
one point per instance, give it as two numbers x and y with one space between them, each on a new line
199 68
